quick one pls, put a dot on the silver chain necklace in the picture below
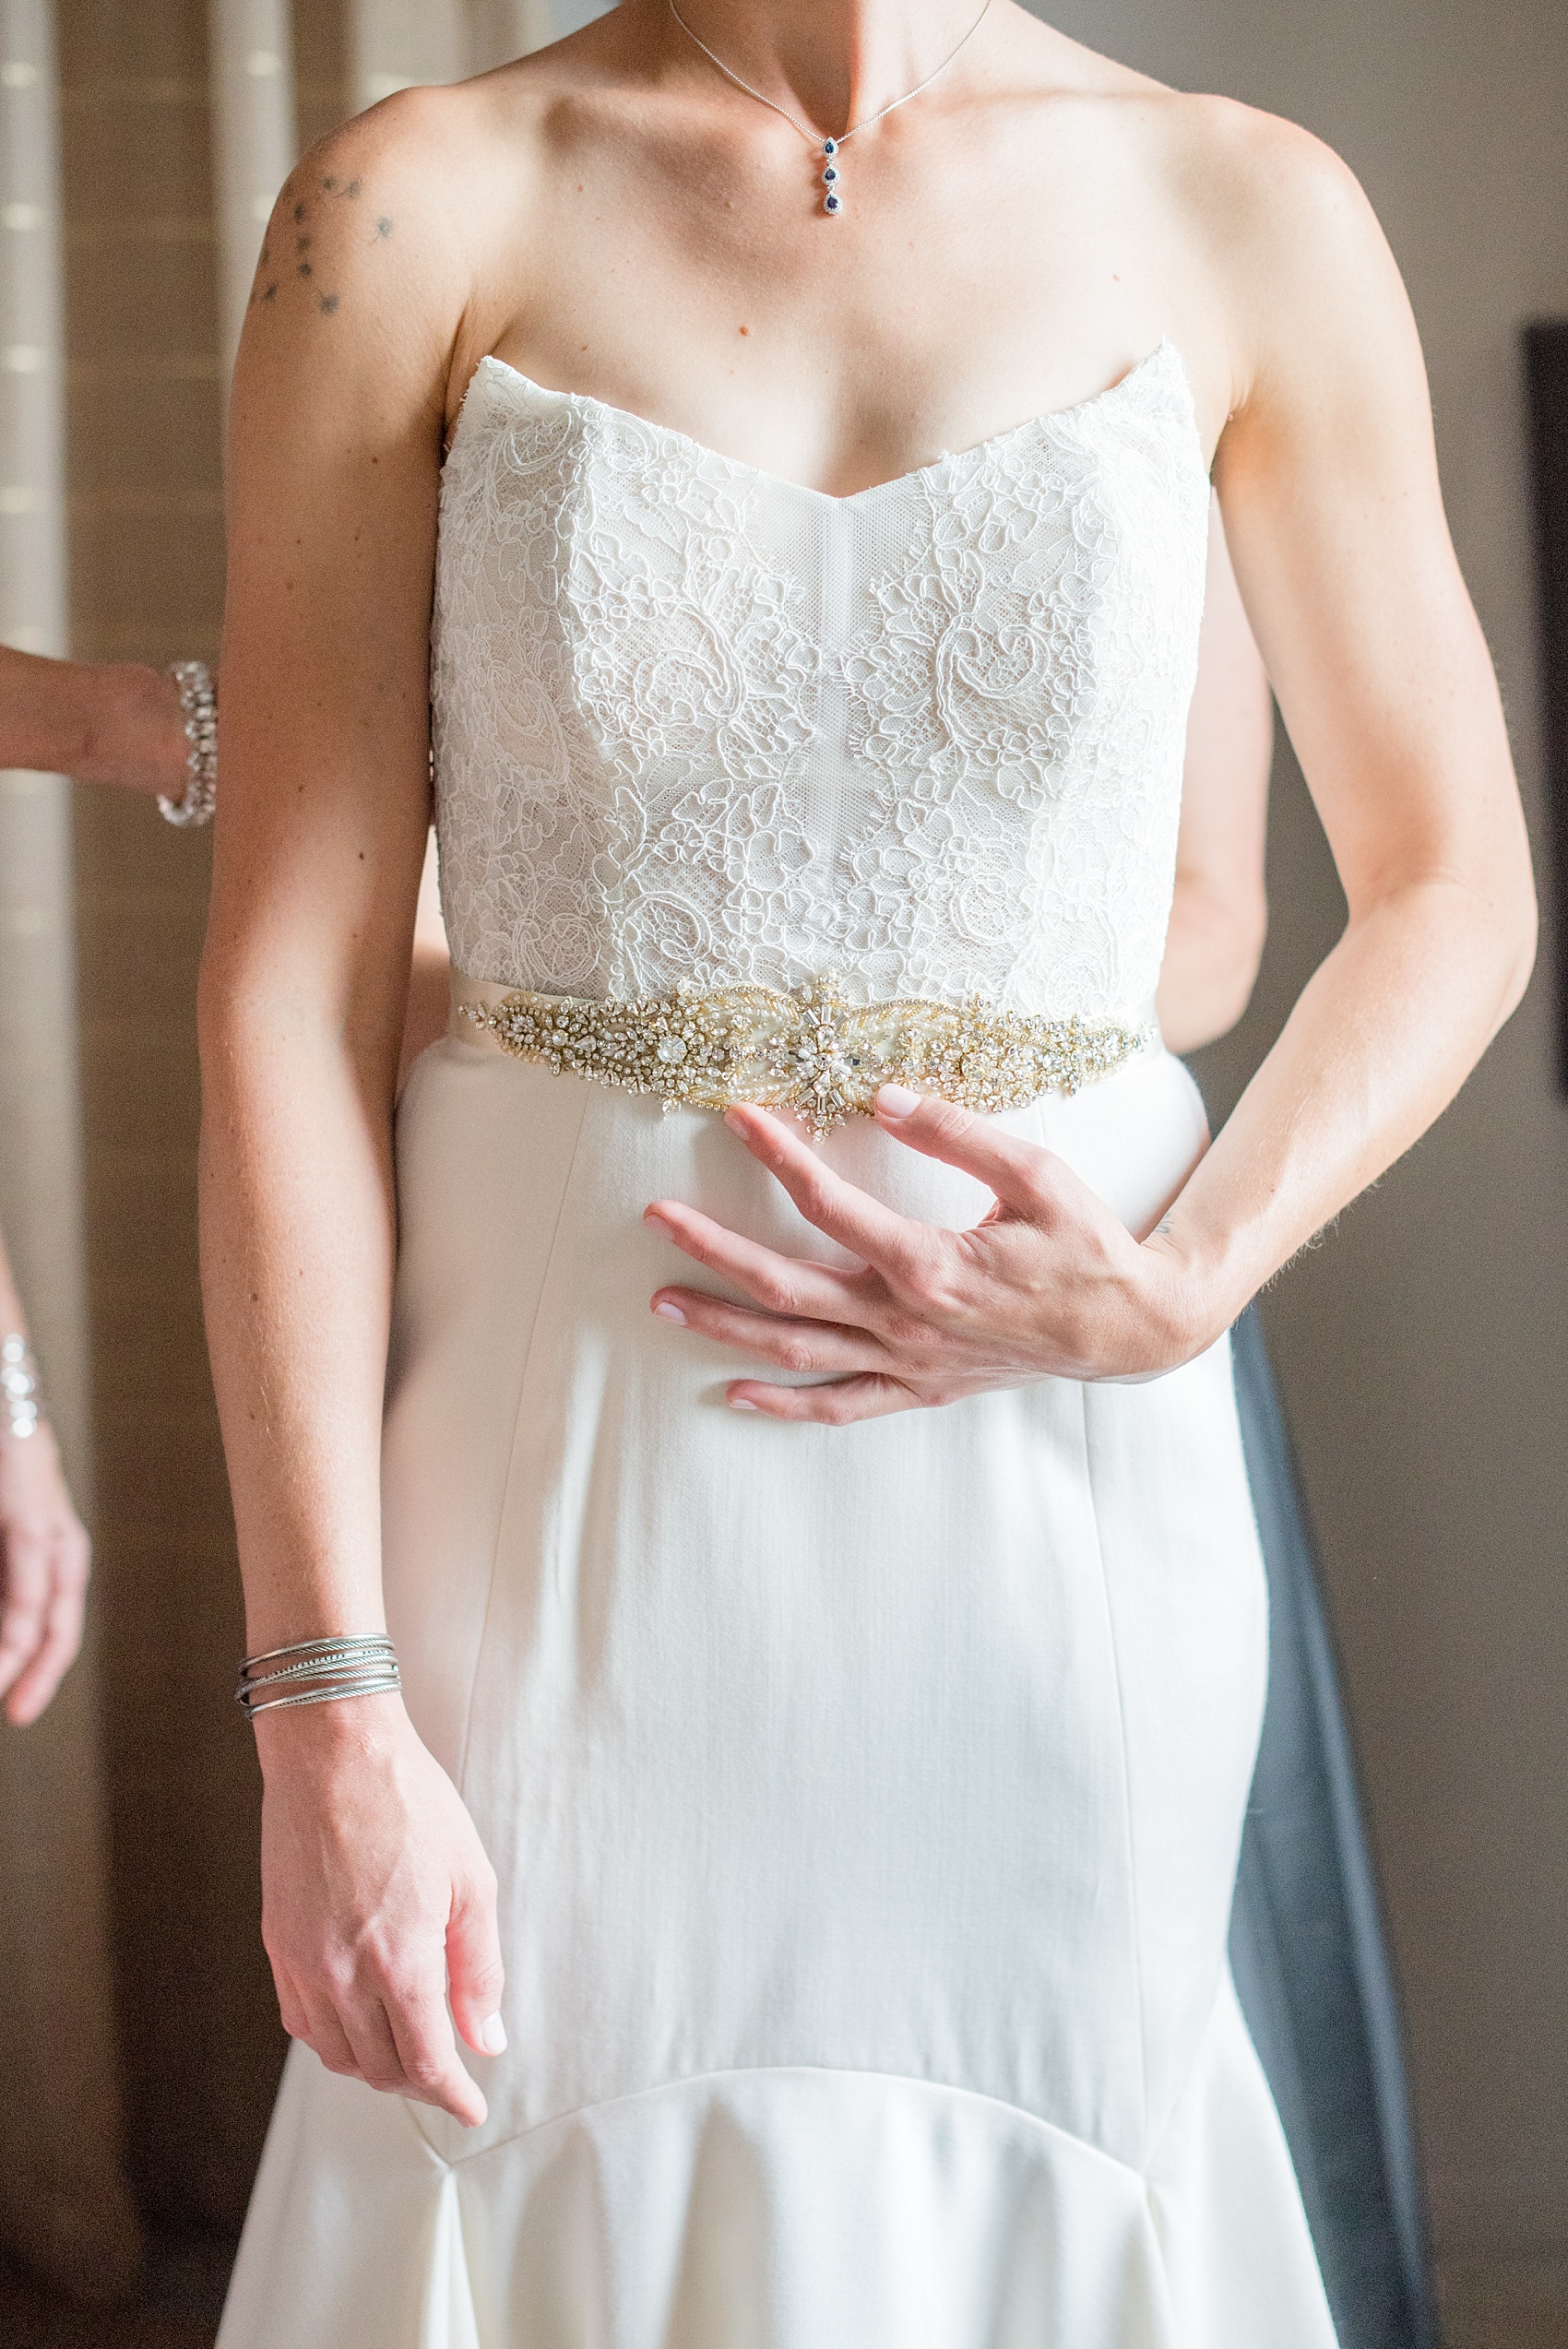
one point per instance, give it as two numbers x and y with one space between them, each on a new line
833 194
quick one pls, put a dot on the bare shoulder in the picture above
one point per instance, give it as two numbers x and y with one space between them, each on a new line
1262 180
360 269
388 225
1280 229
1262 206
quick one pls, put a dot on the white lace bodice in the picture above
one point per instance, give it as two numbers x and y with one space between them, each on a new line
696 723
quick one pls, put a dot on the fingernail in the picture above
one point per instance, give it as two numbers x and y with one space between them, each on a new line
493 2036
656 1222
897 1100
736 1123
739 1403
668 1312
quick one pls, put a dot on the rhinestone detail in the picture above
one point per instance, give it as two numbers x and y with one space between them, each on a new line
807 1050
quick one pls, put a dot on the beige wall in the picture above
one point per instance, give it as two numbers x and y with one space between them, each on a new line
1424 1348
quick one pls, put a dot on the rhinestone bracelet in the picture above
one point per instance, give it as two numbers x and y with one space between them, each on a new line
198 705
319 1672
807 1049
21 1396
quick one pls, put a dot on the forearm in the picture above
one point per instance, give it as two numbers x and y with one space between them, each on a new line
116 723
297 1246
1379 1043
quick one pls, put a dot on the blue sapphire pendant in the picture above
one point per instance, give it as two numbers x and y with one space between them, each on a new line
832 201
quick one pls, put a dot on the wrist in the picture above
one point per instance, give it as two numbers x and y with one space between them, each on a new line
1190 1296
22 1415
134 731
319 1739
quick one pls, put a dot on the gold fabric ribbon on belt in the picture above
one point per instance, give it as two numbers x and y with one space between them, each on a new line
808 1050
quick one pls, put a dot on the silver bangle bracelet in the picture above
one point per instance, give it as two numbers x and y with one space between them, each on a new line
198 704
319 1672
21 1396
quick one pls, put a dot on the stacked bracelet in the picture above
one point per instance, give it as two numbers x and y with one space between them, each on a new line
317 1671
21 1397
198 704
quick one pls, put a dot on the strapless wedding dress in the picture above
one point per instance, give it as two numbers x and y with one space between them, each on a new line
865 1801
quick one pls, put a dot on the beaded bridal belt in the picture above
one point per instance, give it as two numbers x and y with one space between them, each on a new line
808 1050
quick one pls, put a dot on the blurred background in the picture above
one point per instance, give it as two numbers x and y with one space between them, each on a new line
1422 1350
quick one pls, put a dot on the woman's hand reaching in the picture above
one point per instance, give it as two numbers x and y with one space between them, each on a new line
377 1902
44 1558
1049 1285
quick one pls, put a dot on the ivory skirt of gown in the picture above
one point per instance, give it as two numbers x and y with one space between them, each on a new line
865 1801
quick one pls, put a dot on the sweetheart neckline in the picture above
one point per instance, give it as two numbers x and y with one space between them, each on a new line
995 441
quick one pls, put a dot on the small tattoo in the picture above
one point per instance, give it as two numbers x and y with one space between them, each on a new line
271 293
301 211
329 302
329 185
384 227
305 271
353 189
303 242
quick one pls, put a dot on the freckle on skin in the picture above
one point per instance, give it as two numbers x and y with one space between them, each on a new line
745 330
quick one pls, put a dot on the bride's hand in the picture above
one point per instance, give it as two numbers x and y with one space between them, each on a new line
1051 1285
376 1894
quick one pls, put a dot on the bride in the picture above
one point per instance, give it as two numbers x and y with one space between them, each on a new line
741 1500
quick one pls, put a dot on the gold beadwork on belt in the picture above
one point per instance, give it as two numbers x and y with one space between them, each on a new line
807 1050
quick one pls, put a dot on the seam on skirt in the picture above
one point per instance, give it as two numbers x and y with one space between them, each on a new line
512 1448
936 2088
1126 1770
1201 2054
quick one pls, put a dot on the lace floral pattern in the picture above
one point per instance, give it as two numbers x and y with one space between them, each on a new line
697 723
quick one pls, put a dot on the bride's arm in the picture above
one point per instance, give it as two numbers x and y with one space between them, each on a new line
374 1881
1328 482
1327 478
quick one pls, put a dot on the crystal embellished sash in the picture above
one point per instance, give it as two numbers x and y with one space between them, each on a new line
807 1050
